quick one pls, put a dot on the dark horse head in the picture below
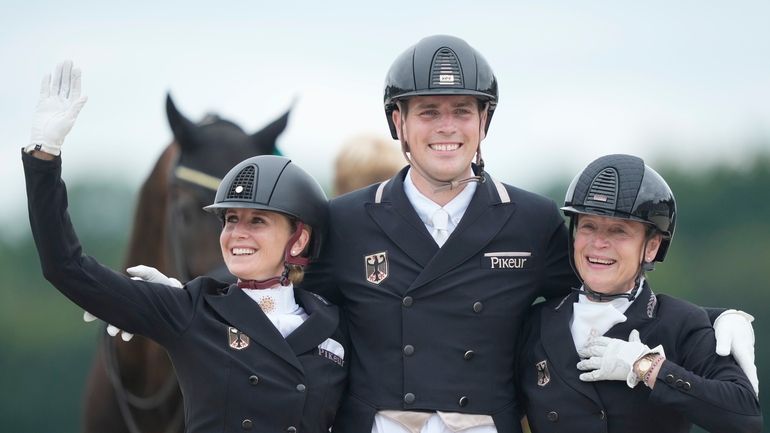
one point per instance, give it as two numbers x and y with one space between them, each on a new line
131 386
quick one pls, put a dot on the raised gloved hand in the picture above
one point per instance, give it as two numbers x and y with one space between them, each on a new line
141 272
735 336
612 358
58 107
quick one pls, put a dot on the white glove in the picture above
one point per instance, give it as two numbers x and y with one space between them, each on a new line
56 111
612 358
735 336
141 272
111 330
148 273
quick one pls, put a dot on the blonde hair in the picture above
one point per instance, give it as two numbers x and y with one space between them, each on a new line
296 274
365 159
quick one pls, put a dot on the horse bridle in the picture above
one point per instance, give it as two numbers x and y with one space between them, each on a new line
197 177
126 399
203 181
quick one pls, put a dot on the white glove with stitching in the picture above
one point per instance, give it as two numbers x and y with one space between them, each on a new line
58 107
141 272
612 358
735 336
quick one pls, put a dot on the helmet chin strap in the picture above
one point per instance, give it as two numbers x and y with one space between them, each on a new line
603 297
438 184
288 259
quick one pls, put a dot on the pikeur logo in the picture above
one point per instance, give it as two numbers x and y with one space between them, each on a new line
507 260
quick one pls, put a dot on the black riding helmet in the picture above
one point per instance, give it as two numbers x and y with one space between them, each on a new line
623 186
275 184
439 65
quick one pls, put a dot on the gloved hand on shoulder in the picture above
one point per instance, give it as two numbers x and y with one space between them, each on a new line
141 272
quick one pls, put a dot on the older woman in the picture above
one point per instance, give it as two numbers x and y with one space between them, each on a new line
260 355
587 362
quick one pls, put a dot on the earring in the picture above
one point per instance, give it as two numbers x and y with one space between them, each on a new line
293 252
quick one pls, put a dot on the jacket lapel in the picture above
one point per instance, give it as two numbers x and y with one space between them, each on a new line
482 221
322 321
399 221
638 315
556 338
244 314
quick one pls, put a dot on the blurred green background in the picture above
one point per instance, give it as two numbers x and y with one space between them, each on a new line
719 257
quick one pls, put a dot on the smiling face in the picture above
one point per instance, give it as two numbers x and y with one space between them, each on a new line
253 243
443 134
608 252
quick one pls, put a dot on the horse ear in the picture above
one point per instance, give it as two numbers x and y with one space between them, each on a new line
182 128
265 138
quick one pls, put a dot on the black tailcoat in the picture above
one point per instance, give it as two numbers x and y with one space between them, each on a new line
435 329
694 384
235 369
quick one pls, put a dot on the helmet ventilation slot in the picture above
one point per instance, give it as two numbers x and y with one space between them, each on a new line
604 189
243 185
445 70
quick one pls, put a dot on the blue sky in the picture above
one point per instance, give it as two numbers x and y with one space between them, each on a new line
688 80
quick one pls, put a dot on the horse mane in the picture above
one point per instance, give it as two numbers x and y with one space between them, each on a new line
148 234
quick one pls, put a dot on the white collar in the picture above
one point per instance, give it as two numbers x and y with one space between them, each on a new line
275 300
591 318
426 207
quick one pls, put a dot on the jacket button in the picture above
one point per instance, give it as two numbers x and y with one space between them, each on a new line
477 307
408 350
407 301
409 398
686 386
678 383
463 401
301 388
253 379
468 355
291 429
669 378
247 424
553 416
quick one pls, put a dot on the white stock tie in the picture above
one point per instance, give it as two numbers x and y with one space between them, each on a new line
440 222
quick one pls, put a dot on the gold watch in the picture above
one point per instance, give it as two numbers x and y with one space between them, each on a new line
643 365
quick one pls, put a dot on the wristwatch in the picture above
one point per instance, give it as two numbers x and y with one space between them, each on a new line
643 365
